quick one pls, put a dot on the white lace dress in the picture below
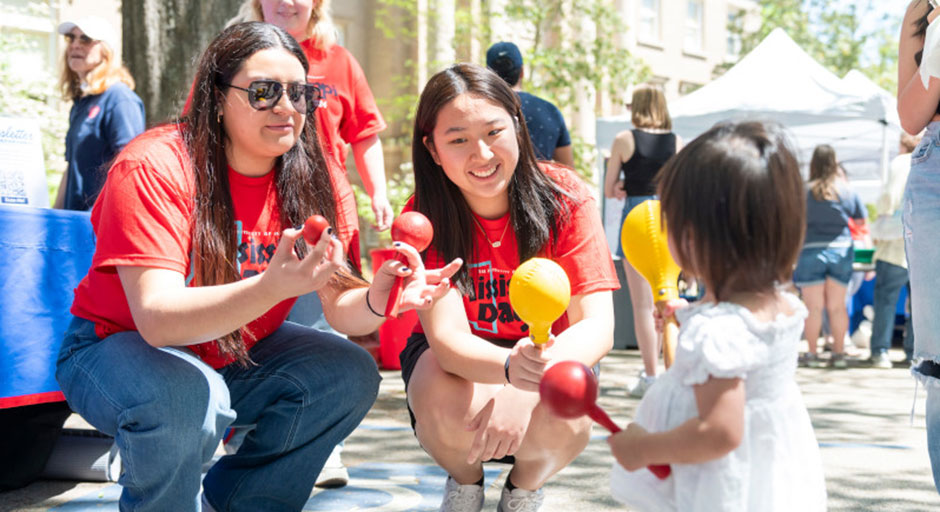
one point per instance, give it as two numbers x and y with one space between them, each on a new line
777 467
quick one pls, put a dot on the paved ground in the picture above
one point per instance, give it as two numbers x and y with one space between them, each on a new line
875 458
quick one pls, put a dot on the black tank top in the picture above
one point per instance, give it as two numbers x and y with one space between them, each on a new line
651 150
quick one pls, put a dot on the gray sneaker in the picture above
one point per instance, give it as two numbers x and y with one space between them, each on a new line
462 498
520 500
838 362
643 383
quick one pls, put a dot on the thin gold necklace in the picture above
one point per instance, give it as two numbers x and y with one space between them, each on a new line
493 244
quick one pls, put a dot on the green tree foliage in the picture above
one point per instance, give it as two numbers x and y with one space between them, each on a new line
569 45
562 61
833 36
567 55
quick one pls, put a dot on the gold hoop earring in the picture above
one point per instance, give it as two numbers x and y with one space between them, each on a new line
218 118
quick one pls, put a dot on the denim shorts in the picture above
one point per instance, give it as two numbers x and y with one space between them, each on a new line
816 264
631 203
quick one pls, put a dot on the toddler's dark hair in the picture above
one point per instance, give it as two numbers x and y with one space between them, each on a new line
734 204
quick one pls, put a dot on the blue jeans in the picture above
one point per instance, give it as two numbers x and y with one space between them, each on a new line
168 410
921 218
889 280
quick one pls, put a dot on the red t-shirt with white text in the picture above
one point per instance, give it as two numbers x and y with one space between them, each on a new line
143 218
580 249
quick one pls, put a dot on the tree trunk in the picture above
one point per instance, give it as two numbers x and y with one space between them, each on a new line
163 40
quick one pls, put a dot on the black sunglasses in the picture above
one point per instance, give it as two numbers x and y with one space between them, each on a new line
264 94
85 40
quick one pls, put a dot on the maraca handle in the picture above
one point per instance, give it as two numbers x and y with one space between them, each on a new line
662 471
597 414
391 307
670 335
394 296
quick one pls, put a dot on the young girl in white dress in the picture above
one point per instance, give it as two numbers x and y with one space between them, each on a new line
728 416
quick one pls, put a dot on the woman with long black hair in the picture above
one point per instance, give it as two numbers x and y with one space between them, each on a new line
471 372
179 325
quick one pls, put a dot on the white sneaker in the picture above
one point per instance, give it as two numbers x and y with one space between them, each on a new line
462 498
334 473
642 384
520 500
881 360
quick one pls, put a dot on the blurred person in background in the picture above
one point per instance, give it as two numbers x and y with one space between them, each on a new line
824 268
890 260
106 113
636 157
546 125
347 114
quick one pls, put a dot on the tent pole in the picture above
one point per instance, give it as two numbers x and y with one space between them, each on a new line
884 152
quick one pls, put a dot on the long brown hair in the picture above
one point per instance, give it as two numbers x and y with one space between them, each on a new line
535 206
734 204
823 173
301 176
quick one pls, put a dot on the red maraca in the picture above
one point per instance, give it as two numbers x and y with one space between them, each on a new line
570 390
313 228
415 230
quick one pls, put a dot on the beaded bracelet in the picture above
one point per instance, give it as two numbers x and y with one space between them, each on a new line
506 368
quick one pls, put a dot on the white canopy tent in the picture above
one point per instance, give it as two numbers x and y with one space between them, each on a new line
778 81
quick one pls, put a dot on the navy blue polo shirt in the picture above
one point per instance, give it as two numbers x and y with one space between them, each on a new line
99 126
546 125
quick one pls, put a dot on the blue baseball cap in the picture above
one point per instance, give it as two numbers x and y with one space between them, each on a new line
499 53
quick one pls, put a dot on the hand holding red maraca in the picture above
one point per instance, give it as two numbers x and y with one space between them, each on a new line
569 388
415 230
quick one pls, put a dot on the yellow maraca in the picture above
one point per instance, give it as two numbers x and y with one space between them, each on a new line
539 293
646 248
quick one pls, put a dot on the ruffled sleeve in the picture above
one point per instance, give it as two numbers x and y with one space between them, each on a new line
715 341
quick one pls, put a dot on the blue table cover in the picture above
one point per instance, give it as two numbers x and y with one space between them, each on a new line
47 252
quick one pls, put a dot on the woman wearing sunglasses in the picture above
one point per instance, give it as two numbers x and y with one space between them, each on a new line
179 325
105 115
347 113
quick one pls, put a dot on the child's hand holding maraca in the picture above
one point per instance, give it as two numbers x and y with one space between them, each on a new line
627 447
668 310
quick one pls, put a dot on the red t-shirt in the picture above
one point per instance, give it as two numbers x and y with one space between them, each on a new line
580 249
143 218
347 114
